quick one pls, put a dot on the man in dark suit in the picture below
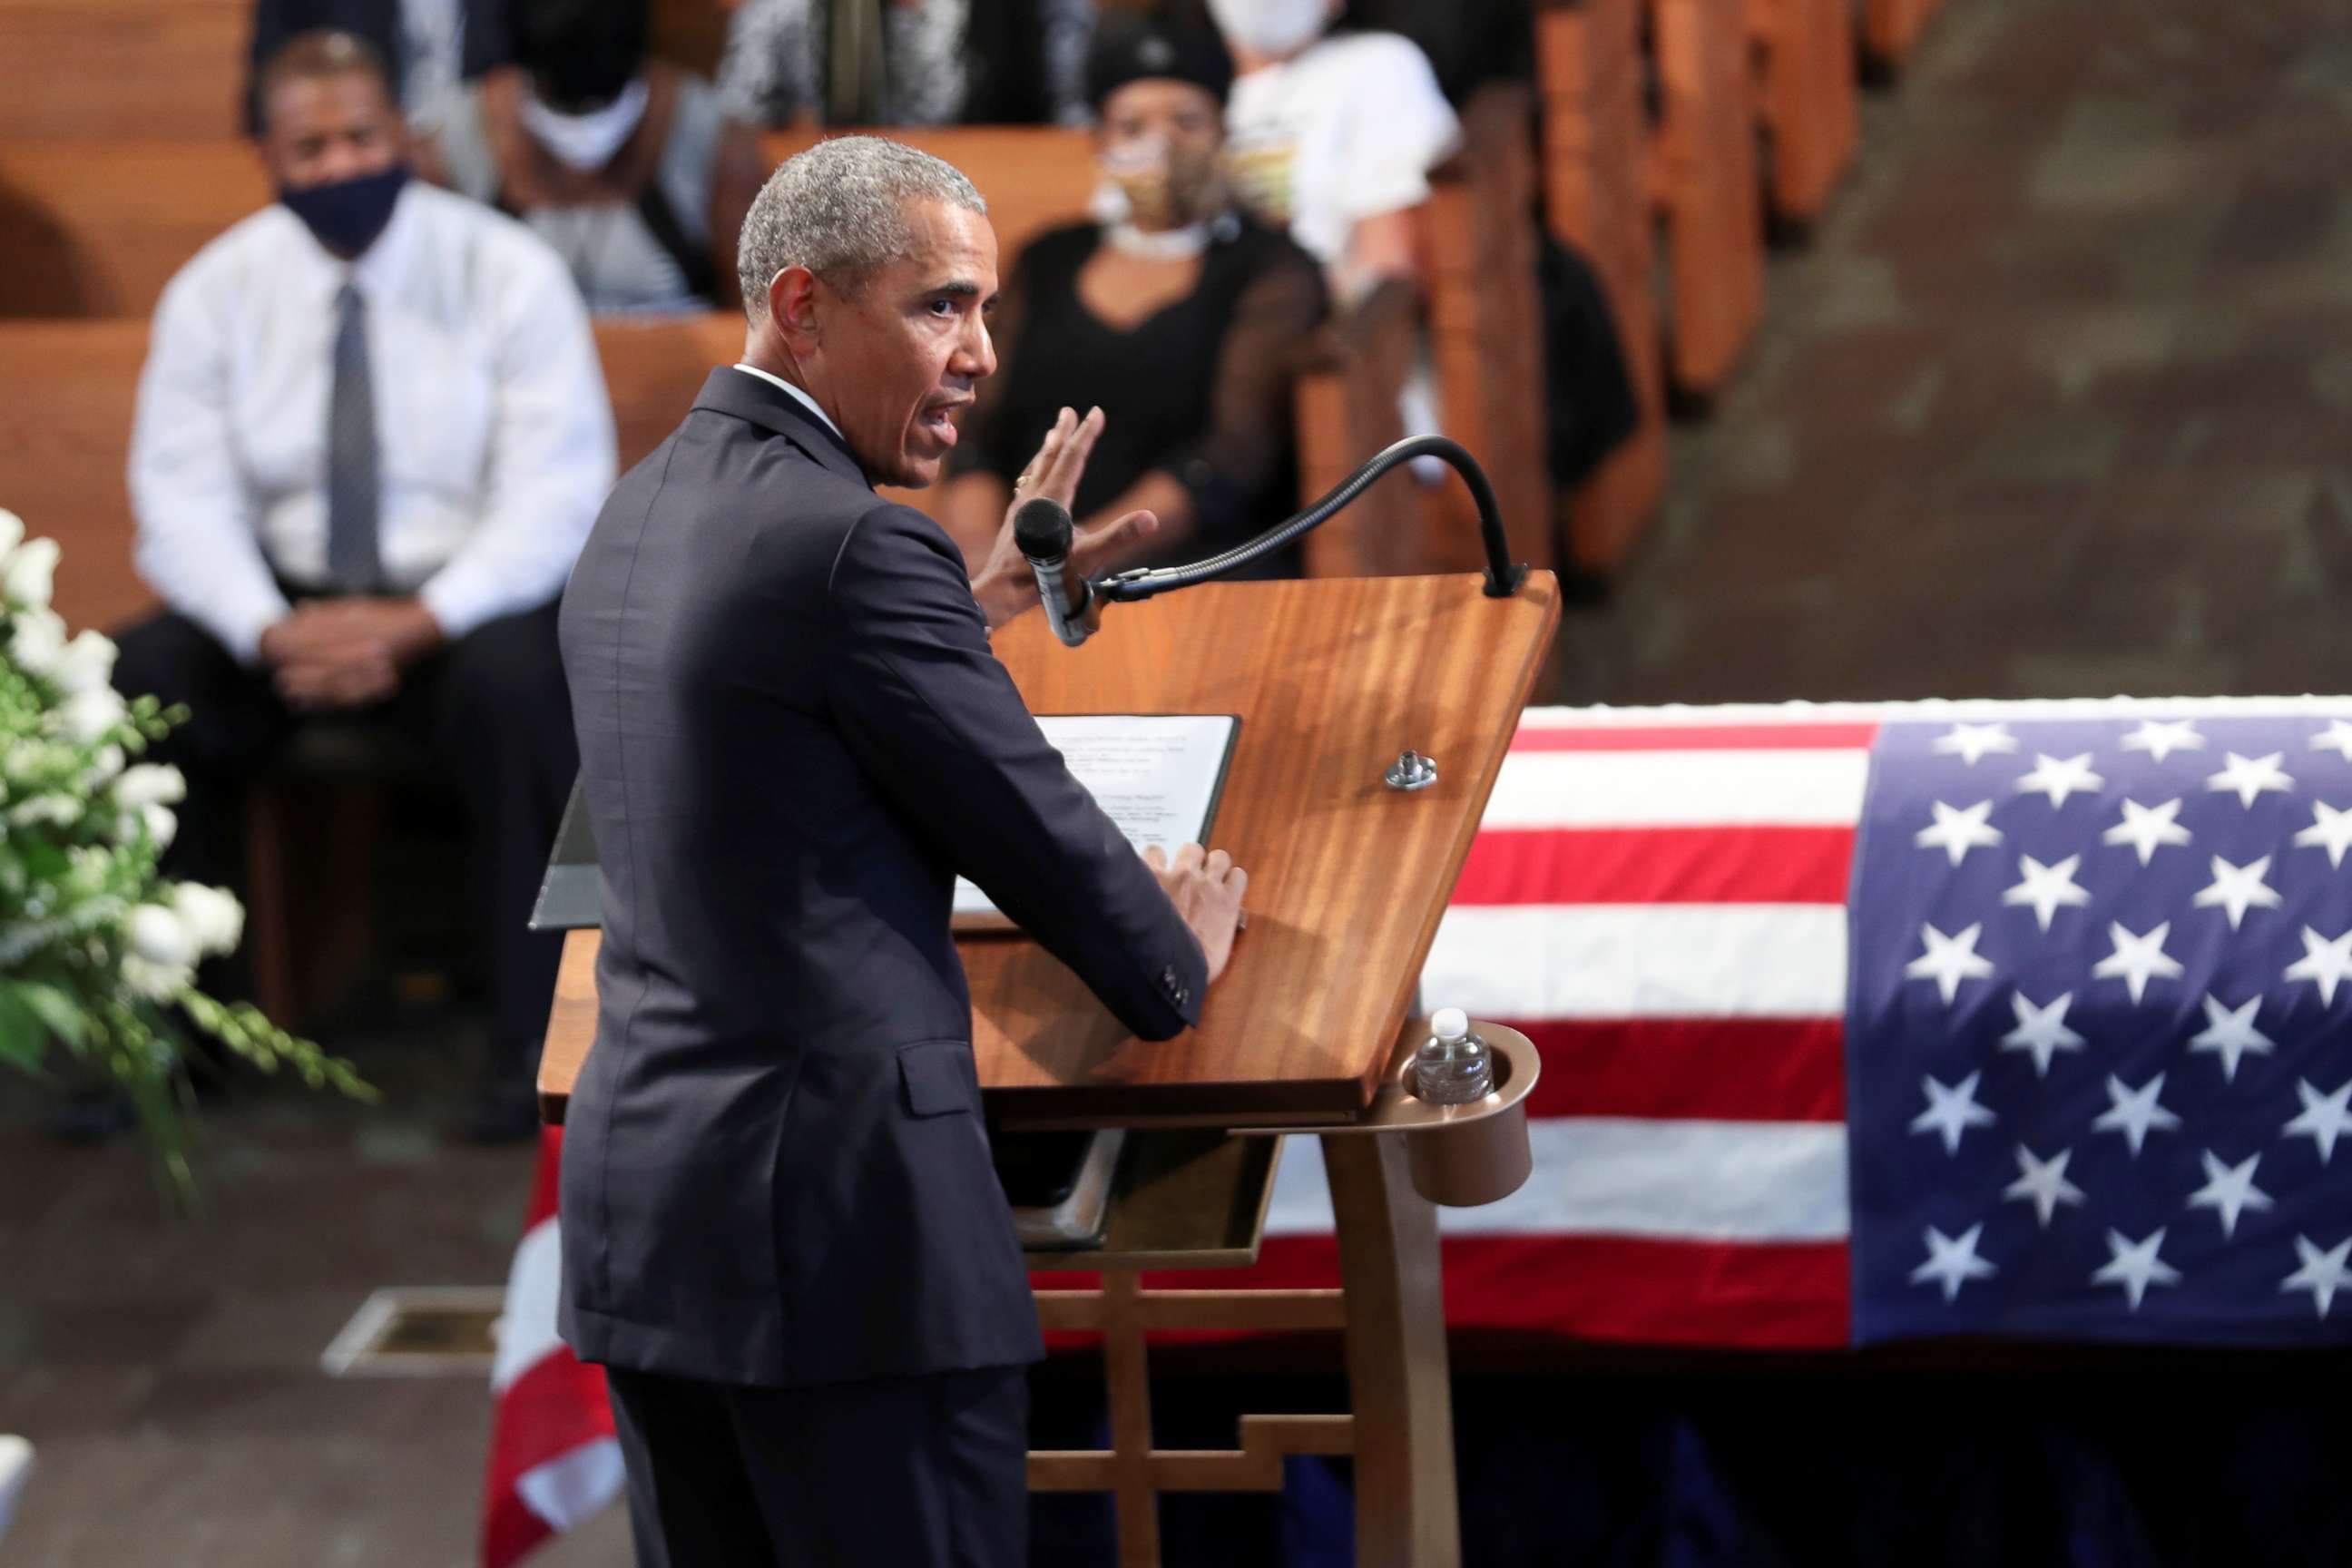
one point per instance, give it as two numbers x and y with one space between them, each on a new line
781 1231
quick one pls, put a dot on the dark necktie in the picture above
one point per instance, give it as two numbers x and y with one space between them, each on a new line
351 494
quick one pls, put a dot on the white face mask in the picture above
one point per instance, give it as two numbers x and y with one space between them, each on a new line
1271 26
587 141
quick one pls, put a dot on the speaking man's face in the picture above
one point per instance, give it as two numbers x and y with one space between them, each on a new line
904 351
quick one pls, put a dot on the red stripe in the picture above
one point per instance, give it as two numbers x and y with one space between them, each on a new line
1712 1069
1657 865
557 1405
1697 737
1763 1295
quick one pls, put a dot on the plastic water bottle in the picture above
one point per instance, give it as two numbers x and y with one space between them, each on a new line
1454 1067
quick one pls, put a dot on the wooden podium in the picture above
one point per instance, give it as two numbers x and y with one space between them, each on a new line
1333 679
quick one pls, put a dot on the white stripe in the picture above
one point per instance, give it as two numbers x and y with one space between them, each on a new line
1689 1180
1657 789
1639 960
16 1469
1942 710
526 1329
574 1484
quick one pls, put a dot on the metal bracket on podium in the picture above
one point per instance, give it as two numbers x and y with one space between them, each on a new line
1462 1156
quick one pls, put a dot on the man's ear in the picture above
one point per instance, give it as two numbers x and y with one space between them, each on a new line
792 306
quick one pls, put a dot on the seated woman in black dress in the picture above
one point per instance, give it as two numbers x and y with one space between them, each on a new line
1177 316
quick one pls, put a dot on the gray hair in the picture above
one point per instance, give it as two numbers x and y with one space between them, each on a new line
839 209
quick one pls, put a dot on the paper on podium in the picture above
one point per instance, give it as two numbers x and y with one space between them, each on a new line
1157 775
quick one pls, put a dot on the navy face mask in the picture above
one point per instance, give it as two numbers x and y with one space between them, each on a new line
347 215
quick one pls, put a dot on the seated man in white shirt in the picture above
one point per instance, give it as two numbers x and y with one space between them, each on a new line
371 436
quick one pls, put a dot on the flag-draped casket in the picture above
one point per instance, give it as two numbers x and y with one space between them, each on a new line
1869 1021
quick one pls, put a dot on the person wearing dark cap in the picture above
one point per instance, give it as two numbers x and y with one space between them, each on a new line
1173 312
626 165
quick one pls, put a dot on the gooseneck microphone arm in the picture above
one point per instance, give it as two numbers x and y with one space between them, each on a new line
1503 576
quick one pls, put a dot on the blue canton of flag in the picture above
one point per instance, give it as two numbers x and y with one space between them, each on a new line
2099 1035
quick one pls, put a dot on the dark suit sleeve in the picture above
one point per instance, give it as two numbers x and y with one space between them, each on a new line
936 721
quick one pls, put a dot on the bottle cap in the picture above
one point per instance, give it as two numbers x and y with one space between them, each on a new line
1449 1024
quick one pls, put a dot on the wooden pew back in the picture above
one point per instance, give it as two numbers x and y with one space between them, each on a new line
170 68
1031 176
1485 327
1805 101
65 431
1890 28
97 228
175 69
1597 198
1708 187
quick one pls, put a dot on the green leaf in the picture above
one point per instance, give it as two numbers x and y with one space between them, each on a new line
57 1009
23 1038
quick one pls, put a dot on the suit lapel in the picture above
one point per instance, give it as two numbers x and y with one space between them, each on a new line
731 391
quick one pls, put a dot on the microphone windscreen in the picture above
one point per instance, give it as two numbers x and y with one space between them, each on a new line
1042 528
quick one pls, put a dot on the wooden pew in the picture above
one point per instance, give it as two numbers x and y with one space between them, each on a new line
1035 178
97 227
1597 191
1694 168
1485 325
65 429
1707 188
1805 101
1890 28
165 68
1347 411
65 432
1032 177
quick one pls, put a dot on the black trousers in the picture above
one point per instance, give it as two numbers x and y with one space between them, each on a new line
915 1472
490 713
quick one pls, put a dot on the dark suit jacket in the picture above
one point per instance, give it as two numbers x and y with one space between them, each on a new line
792 736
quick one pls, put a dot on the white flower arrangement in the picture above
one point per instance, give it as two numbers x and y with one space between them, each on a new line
98 950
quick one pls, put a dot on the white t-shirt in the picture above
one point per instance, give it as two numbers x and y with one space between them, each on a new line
1347 131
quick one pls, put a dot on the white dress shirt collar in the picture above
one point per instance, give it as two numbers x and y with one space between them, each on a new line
803 398
378 270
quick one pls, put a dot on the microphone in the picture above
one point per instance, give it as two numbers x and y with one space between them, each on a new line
1043 530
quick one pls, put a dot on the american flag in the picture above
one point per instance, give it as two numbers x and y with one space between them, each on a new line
2098 1067
1657 898
1714 923
553 1459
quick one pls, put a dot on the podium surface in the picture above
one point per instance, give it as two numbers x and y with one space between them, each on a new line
1332 679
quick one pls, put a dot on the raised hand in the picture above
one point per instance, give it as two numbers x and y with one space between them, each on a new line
1005 585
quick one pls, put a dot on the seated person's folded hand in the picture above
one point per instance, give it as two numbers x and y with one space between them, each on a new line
347 653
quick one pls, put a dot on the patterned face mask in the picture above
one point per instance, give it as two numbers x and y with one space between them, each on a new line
1162 186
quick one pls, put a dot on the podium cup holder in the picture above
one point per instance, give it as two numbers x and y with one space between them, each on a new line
1460 1155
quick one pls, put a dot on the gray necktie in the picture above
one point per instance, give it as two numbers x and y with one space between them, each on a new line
352 557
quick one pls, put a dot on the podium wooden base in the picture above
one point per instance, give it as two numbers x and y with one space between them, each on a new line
1183 1212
